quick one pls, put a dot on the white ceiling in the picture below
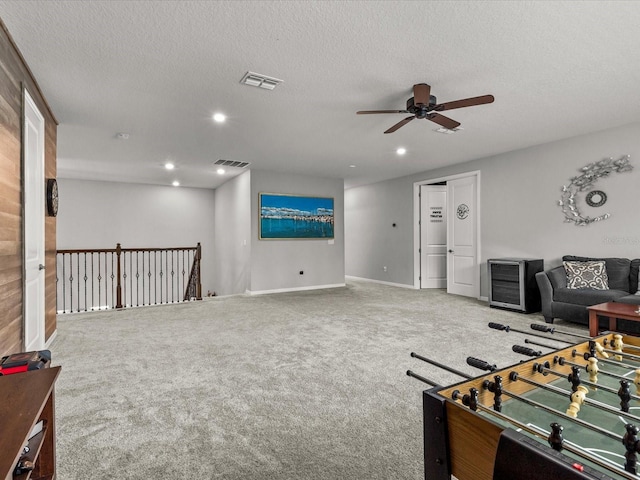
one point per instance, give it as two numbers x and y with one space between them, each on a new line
158 70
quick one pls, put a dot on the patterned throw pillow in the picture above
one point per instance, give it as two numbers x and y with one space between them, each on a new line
638 292
587 275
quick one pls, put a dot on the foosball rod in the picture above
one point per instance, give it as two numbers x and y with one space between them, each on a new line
575 449
632 347
444 367
541 368
544 328
630 356
526 340
507 328
587 355
422 379
564 361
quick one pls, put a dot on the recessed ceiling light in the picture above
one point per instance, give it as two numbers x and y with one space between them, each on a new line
220 171
169 166
352 166
176 183
219 117
401 151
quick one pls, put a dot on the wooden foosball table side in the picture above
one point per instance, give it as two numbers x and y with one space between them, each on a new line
463 443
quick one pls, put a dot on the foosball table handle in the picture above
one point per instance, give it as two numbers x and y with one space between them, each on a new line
498 326
526 351
481 364
542 328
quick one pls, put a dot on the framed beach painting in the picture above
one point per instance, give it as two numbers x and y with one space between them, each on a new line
295 217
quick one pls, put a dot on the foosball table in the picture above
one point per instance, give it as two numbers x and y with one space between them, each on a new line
571 413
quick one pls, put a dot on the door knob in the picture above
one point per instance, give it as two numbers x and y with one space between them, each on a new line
41 267
450 251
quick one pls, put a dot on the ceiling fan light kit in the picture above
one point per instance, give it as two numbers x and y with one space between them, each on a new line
423 105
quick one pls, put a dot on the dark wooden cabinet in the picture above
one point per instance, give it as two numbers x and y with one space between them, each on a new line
25 400
512 283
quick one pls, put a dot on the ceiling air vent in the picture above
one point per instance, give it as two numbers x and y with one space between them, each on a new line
232 163
258 80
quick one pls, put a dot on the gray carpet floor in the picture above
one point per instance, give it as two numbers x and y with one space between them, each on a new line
304 385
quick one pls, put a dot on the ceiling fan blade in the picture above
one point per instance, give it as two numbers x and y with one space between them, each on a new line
467 102
400 124
446 122
421 93
362 112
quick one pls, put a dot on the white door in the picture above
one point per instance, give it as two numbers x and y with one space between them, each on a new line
433 236
34 193
463 276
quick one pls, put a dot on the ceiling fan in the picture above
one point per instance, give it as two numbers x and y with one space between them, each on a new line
425 105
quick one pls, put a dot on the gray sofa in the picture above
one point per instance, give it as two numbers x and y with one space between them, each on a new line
558 301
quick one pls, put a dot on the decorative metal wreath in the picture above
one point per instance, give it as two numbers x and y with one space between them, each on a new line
462 211
590 175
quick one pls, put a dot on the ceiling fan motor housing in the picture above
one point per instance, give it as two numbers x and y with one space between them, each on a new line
421 110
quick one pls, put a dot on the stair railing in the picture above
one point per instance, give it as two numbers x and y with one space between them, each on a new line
101 279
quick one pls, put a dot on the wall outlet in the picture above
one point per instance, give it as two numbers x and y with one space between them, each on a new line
384 269
301 272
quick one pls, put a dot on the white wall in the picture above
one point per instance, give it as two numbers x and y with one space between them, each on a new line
233 235
275 264
102 214
519 208
371 241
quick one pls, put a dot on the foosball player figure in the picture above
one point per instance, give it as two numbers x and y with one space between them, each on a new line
625 395
596 347
617 345
495 387
636 380
471 399
630 442
574 378
592 368
555 437
577 399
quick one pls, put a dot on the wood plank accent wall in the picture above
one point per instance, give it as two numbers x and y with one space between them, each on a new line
14 74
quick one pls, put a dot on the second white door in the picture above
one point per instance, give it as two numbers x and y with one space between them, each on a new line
462 278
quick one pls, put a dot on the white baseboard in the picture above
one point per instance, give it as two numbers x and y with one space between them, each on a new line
53 336
295 289
483 299
401 285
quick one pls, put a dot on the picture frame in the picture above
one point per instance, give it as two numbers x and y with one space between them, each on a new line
295 217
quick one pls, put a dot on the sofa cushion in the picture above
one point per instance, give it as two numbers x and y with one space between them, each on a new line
586 275
632 299
634 276
587 296
618 270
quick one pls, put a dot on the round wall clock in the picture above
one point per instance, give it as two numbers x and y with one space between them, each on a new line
52 197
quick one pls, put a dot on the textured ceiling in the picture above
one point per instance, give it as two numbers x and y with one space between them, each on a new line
158 70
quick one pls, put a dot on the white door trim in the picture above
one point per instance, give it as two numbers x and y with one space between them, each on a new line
416 223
